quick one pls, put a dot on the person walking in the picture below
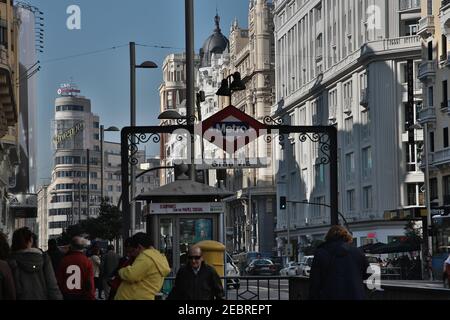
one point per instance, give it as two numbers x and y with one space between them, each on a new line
96 263
339 269
197 280
32 269
130 255
145 277
110 262
7 287
55 254
76 273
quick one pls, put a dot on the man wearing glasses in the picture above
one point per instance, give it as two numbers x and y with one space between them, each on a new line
197 280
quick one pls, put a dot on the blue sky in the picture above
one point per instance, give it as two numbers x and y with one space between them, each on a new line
104 77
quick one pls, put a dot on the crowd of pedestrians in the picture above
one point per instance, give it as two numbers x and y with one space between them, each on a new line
77 272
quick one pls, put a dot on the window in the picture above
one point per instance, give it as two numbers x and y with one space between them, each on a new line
96 136
367 162
110 188
318 209
69 108
446 137
444 104
96 125
415 194
351 200
431 141
411 157
434 189
348 131
367 198
430 50
430 97
3 34
350 165
320 174
444 48
446 189
365 122
411 190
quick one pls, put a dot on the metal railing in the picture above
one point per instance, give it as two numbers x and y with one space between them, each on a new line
246 287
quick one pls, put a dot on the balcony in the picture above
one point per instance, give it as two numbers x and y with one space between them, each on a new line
445 4
427 69
441 158
364 98
391 44
406 5
427 115
445 107
426 26
444 17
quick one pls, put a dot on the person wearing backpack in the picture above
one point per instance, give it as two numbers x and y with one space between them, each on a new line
76 273
339 269
32 269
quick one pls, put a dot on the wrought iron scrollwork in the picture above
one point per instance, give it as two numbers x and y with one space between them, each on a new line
134 139
268 120
180 121
323 140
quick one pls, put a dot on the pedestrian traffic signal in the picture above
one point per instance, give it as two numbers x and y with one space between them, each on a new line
283 203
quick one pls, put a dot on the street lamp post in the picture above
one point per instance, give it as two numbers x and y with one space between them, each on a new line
102 140
129 224
427 239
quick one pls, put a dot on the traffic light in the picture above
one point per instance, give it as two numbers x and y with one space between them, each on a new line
283 203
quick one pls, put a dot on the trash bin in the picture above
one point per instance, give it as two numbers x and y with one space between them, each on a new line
214 254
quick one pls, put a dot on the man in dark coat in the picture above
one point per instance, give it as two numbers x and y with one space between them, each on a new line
55 254
339 269
197 280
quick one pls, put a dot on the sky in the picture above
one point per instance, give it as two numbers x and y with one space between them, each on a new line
103 77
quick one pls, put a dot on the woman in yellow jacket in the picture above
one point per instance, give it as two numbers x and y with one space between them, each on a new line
145 277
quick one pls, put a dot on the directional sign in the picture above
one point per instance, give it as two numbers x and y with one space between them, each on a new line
231 128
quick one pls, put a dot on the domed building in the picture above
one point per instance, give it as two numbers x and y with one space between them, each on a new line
216 43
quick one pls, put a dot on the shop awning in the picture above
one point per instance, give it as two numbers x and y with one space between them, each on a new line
397 247
371 246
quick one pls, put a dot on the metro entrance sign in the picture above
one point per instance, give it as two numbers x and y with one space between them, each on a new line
231 128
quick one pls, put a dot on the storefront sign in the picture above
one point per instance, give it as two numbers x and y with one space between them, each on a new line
186 208
23 205
69 133
211 164
67 89
372 235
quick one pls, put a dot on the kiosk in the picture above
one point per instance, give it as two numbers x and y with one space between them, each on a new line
181 214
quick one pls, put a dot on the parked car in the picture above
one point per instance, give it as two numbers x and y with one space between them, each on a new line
259 267
291 269
304 267
232 270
